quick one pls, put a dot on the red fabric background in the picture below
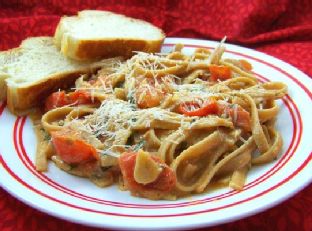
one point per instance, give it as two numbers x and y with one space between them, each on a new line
282 28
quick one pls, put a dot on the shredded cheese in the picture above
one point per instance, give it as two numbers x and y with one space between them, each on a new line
111 116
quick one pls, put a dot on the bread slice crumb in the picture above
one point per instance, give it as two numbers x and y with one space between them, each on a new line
96 34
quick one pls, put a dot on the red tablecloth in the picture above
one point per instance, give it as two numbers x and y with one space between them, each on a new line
282 28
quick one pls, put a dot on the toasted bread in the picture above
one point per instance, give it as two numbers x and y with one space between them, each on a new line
99 34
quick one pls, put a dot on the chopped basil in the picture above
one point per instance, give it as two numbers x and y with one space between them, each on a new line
46 136
131 99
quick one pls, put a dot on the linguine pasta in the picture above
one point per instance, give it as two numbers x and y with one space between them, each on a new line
163 125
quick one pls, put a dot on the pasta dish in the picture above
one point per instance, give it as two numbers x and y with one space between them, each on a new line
163 125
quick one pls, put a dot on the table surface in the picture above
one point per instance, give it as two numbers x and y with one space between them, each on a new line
279 28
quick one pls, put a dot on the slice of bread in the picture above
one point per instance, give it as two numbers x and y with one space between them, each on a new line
3 76
32 71
98 34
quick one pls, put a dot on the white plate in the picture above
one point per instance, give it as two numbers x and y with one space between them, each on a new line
78 200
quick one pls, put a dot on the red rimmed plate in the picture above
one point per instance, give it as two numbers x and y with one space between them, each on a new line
78 200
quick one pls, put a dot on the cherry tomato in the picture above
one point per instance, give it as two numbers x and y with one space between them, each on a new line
71 149
219 72
56 99
79 97
60 99
240 117
165 182
194 109
147 98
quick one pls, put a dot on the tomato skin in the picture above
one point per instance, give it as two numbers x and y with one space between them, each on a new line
56 99
242 119
165 182
149 99
208 108
60 99
219 72
71 149
79 97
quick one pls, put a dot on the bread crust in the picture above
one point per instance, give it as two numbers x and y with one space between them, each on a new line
3 76
96 49
3 88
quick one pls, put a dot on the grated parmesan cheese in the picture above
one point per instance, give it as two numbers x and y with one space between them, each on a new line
111 116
